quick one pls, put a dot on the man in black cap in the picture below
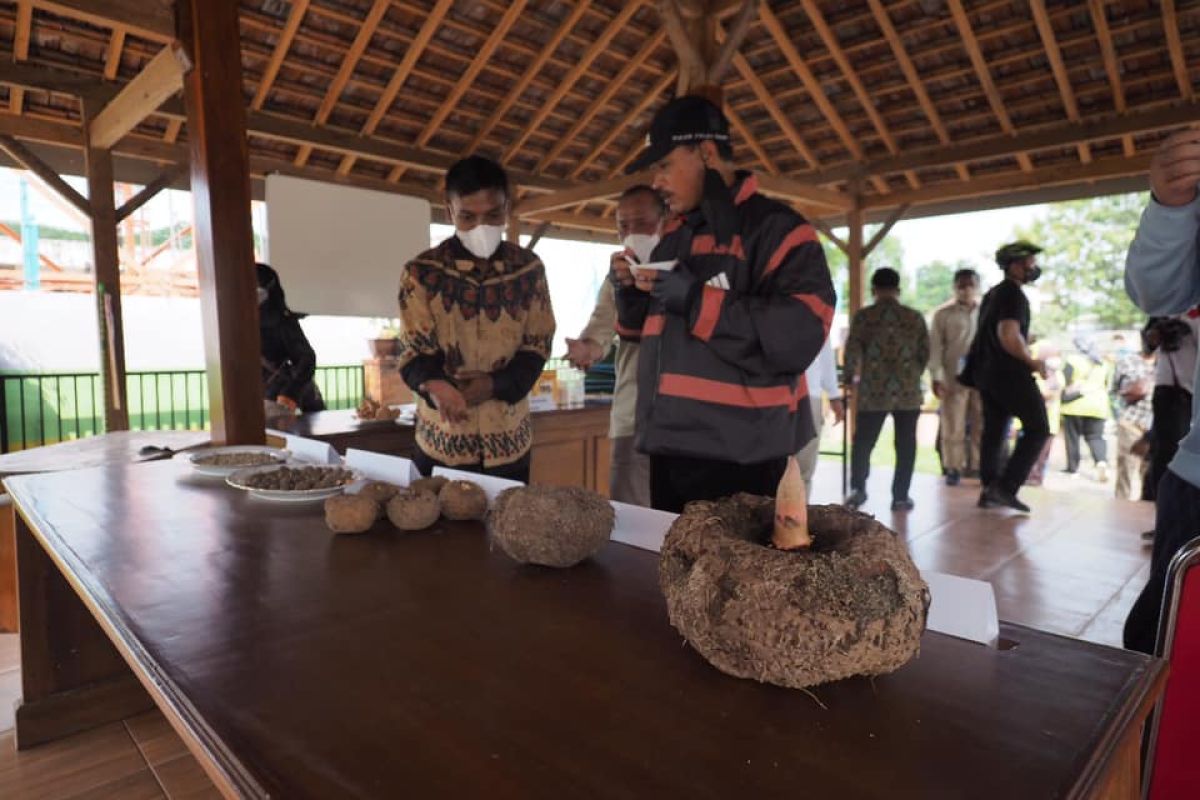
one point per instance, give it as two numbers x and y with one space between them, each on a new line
886 353
729 330
1001 366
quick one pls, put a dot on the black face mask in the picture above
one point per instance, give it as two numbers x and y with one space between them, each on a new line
1032 274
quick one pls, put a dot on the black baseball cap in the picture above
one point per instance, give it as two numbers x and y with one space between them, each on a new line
885 278
684 120
1015 252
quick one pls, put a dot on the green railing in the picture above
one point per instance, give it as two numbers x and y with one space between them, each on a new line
39 409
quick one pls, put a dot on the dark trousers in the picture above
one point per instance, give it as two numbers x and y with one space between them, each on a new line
867 425
676 481
1172 406
1092 431
516 471
1176 522
1019 398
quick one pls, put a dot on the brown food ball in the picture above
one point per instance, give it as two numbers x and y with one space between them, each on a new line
433 484
556 526
350 513
463 500
413 510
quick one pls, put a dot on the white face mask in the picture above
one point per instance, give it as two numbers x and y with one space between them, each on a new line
262 295
642 245
482 240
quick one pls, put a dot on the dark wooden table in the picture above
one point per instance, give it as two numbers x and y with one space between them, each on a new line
297 664
570 445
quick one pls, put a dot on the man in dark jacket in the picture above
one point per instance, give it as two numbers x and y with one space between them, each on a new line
727 333
288 360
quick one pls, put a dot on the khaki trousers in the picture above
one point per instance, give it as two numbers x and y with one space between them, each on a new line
628 473
1129 467
807 457
961 407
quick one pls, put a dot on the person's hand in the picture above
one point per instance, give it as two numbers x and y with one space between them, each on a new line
287 402
1175 169
583 353
838 407
619 265
1039 366
450 403
475 387
939 389
645 279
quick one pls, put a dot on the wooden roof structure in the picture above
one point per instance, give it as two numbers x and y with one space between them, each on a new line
876 105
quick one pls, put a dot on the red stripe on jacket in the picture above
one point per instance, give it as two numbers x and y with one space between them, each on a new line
801 234
706 244
710 311
732 394
629 333
654 324
823 310
748 188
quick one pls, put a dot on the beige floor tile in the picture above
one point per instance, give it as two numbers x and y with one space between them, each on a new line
155 738
184 779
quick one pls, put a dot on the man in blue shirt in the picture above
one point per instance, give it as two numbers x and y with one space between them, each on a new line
1162 275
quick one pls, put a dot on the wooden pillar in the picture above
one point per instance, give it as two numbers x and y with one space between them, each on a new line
224 237
106 254
856 257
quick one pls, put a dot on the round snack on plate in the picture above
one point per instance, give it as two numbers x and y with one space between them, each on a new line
299 479
555 526
413 509
463 500
433 484
350 513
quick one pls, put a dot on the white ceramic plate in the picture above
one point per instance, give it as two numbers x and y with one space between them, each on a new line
238 481
220 471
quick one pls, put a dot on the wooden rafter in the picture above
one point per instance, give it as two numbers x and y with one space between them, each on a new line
112 56
830 40
150 19
1111 66
1175 46
693 71
535 67
747 135
983 73
365 32
579 194
610 90
622 126
585 60
294 18
169 176
160 79
889 223
781 119
1054 55
729 48
31 162
913 78
24 31
171 134
463 84
403 70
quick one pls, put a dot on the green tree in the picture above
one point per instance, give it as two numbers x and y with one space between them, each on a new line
935 285
888 253
1084 263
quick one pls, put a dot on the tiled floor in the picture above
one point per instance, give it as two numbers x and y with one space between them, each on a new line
1074 566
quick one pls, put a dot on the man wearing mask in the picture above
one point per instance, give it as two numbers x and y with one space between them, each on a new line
476 331
1001 367
950 335
640 216
727 330
1162 276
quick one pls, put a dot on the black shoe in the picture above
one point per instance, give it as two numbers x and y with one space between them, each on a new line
997 497
973 474
953 478
903 505
855 499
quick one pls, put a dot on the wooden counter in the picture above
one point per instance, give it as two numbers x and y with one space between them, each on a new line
297 664
570 446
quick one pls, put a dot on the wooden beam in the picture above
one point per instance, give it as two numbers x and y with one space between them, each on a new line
1109 53
1179 63
282 45
857 260
1050 43
112 56
828 233
743 130
359 46
737 35
613 86
107 272
788 187
983 73
223 232
530 73
168 177
581 194
600 45
912 77
622 126
151 19
31 162
692 68
411 56
537 234
139 98
888 224
171 134
1046 176
24 30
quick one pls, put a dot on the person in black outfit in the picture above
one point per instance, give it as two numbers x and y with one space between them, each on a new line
288 360
1000 365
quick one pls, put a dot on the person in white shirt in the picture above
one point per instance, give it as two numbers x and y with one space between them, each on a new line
822 380
950 334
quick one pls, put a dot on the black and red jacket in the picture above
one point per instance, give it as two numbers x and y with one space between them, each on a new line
727 335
